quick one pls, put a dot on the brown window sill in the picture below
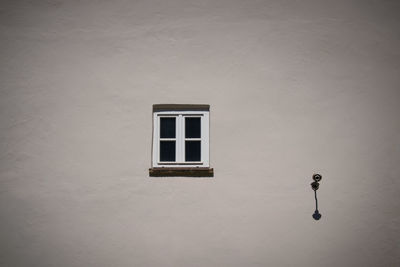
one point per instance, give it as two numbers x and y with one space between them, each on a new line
182 172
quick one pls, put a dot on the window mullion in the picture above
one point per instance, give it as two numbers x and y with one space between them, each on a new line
183 138
180 139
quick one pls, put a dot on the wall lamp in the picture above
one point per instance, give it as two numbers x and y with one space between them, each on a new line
315 186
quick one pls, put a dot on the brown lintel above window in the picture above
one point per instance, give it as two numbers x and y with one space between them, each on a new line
183 172
180 107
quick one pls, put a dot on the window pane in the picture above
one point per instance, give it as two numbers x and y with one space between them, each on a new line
167 127
192 150
167 150
192 128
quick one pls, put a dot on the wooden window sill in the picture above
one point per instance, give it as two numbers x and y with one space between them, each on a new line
181 172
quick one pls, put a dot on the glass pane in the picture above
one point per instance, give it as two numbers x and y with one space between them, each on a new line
192 127
167 150
167 127
192 150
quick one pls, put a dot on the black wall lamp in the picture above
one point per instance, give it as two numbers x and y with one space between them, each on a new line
314 186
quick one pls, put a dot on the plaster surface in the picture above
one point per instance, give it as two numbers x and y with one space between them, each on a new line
295 88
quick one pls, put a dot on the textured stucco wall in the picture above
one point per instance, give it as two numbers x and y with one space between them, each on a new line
295 87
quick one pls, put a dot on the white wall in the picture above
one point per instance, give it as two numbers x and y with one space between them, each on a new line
295 87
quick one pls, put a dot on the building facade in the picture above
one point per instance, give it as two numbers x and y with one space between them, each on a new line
293 88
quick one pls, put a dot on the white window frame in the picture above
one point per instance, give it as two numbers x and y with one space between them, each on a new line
180 138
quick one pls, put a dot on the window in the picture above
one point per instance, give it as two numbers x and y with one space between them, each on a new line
180 140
